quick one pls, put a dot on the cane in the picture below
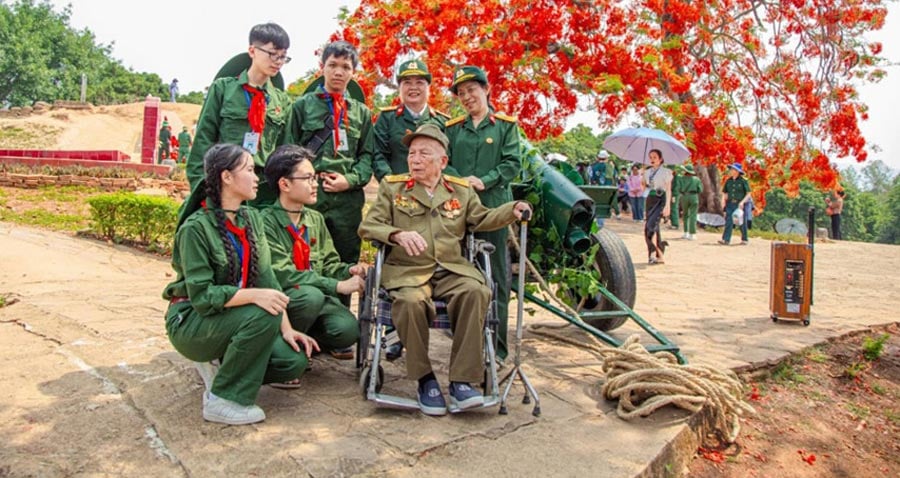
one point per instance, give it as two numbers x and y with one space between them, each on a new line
517 370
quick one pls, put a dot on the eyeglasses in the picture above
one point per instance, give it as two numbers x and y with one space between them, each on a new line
310 178
274 56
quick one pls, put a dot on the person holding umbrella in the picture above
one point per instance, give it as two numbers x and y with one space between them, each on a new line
658 181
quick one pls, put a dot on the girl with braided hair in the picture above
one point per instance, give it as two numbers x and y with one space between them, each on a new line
225 303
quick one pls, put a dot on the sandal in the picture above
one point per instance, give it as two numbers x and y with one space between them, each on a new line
286 385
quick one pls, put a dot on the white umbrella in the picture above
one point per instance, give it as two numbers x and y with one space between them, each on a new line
634 144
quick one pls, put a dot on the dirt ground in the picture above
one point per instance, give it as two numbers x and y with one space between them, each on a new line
105 128
825 412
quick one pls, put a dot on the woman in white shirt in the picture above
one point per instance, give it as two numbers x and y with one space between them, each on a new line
658 181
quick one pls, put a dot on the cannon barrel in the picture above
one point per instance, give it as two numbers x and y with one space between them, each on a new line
563 206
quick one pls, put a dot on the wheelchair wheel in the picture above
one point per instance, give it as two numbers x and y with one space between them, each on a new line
366 321
616 274
365 378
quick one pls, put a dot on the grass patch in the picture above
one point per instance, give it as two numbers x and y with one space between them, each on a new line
859 411
818 396
65 193
785 373
774 236
855 369
816 355
35 136
872 348
878 389
892 416
49 220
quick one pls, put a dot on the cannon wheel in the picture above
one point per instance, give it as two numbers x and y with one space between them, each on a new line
616 274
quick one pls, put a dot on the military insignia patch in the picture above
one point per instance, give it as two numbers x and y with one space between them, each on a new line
451 208
405 202
489 141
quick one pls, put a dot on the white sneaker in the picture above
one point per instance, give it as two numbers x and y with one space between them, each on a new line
691 237
220 410
685 236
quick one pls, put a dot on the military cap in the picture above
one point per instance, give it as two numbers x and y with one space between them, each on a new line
428 130
688 169
413 68
467 73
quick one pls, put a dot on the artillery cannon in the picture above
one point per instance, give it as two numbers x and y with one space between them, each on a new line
563 233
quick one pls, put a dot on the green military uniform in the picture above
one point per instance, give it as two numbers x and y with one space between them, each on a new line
184 145
314 307
491 153
342 211
441 271
223 119
690 188
736 190
165 136
392 124
246 338
676 199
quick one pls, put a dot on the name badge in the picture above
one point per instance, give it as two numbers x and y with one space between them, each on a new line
251 142
345 143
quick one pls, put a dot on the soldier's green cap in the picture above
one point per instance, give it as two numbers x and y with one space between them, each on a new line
688 169
413 68
467 73
427 130
240 62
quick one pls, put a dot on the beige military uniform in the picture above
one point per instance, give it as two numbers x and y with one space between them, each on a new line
443 220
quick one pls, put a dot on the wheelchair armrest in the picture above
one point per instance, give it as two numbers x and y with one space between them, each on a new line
377 244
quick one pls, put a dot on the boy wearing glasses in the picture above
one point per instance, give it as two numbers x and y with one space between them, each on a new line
338 131
303 255
246 105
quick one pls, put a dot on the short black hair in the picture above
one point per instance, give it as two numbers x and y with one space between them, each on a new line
282 161
340 49
270 32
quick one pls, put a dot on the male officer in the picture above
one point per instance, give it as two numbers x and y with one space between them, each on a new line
484 149
736 192
165 141
424 215
344 157
246 106
394 122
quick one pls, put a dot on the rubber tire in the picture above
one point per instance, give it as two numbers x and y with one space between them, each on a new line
365 378
365 322
616 274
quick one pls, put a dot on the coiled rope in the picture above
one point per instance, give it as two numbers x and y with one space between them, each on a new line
643 382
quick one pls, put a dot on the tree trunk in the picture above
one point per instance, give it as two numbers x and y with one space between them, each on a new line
711 197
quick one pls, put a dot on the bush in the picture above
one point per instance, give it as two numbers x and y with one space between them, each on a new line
126 216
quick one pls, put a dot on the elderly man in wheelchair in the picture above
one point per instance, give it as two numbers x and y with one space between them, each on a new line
424 217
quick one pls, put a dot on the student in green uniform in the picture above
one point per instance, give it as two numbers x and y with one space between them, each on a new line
394 122
689 190
676 197
246 106
225 303
424 215
184 144
736 193
484 149
303 256
344 160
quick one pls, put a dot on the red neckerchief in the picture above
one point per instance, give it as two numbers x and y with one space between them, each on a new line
339 109
256 115
301 248
241 234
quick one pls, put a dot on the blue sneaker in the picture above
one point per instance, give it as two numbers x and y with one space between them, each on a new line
463 396
431 401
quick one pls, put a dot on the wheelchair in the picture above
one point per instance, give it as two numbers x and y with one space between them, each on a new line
374 316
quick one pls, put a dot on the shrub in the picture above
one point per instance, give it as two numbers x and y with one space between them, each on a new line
126 216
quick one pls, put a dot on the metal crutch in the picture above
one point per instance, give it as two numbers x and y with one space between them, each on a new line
517 370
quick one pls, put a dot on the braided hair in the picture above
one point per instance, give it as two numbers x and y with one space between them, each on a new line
221 158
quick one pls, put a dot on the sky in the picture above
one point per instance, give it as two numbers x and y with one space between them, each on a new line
191 39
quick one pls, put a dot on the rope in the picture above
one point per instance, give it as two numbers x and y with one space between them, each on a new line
643 382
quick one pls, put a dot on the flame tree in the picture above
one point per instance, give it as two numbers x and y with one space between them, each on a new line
768 83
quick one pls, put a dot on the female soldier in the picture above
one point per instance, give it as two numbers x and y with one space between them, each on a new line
658 181
484 149
225 302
